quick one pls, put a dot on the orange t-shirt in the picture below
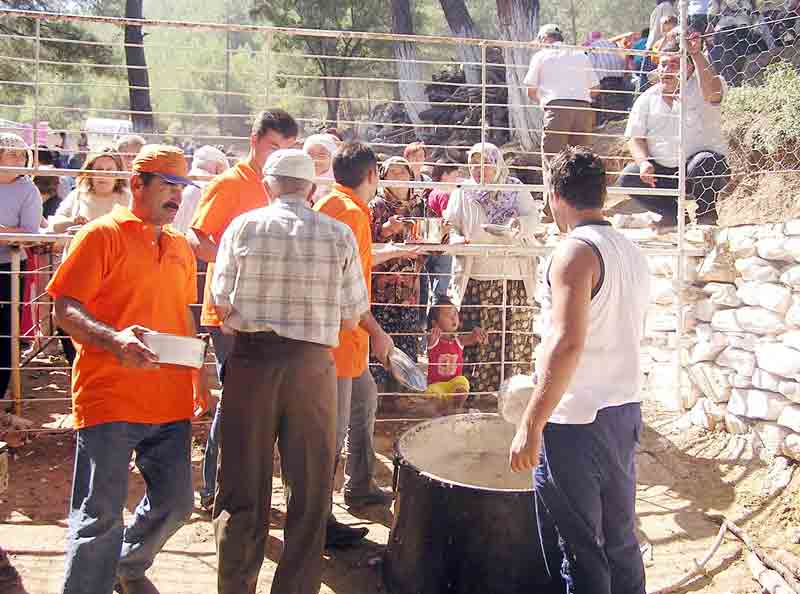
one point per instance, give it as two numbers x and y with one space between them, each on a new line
123 277
342 204
234 192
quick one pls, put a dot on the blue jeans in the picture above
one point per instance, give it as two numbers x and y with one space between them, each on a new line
99 546
357 404
441 270
586 484
223 344
707 174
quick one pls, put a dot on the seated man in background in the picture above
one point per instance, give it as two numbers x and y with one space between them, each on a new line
654 136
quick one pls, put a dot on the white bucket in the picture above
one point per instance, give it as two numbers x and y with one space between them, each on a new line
176 350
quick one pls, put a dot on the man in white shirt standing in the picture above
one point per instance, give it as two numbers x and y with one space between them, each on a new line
561 80
654 136
583 422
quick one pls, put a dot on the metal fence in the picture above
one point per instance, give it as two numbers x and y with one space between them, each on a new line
392 93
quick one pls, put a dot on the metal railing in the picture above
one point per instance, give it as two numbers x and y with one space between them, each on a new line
271 68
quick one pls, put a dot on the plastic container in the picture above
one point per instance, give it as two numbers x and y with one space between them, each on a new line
176 350
514 396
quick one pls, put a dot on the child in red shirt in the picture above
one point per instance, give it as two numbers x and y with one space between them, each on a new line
446 352
445 170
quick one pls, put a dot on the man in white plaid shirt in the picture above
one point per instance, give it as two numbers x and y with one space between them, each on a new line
287 279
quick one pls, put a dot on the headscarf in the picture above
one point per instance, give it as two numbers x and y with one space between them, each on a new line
499 205
9 140
396 203
330 143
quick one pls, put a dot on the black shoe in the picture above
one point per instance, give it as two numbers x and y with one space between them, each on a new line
373 496
340 535
140 585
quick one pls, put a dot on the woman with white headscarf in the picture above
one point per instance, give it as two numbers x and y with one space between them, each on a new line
321 148
478 280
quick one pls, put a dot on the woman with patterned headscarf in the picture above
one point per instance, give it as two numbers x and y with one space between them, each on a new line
396 283
478 281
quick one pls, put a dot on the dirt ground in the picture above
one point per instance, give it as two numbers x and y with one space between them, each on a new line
684 477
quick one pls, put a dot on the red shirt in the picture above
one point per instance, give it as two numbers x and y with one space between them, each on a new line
445 360
438 200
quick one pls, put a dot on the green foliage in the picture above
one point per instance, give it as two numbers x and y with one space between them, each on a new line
611 17
765 117
18 63
189 72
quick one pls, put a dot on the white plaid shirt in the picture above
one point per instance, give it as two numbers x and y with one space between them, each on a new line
290 270
607 64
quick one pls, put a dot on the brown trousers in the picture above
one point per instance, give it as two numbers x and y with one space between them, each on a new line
565 127
284 390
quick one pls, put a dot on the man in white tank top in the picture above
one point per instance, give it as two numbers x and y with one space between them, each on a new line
582 425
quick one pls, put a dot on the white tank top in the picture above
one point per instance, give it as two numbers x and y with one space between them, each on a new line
608 372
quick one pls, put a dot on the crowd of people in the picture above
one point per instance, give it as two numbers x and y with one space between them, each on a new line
592 93
297 297
304 308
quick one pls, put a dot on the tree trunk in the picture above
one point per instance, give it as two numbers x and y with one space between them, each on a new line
408 70
462 25
138 77
332 90
518 21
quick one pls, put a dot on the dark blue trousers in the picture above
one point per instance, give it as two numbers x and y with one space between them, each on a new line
586 485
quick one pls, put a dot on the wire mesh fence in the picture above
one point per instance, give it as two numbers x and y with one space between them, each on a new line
393 91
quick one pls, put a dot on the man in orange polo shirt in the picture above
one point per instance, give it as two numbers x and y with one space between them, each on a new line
127 274
238 190
356 173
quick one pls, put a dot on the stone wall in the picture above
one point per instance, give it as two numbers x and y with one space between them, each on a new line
741 352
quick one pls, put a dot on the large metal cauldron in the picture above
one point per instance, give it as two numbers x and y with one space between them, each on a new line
463 522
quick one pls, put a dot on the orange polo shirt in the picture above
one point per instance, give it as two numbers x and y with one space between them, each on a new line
342 204
123 277
236 191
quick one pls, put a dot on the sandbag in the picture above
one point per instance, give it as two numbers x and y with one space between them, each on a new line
790 417
741 361
713 381
773 248
757 404
748 319
779 359
771 296
757 269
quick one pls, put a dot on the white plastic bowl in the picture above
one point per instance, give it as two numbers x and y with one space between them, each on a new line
514 396
176 350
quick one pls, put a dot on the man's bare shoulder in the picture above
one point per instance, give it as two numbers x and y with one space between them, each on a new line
573 259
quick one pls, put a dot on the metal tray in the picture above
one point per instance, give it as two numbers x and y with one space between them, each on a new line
406 371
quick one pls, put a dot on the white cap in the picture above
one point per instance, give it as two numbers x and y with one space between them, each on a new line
548 29
290 163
